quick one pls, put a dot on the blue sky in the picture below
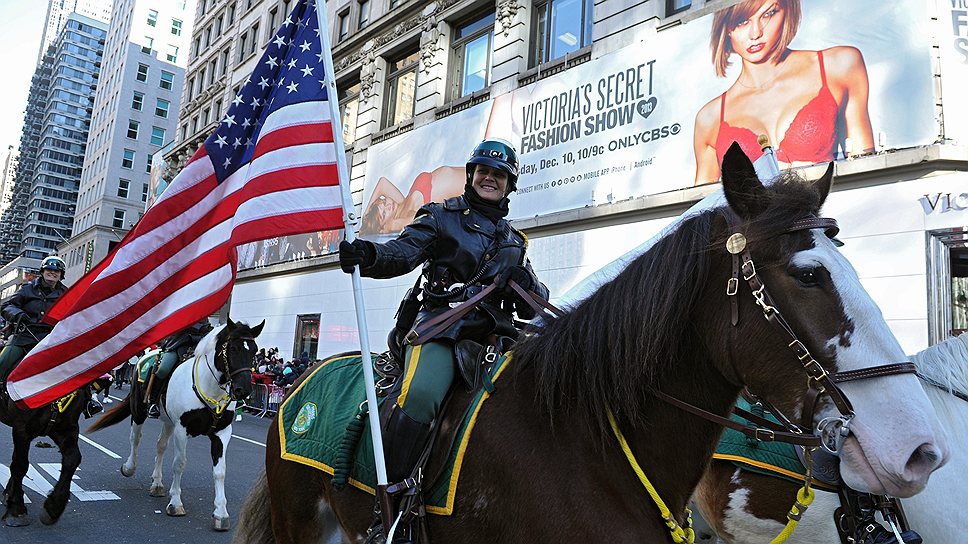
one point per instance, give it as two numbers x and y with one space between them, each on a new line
21 26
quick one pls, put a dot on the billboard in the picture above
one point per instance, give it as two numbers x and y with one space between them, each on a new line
657 115
953 33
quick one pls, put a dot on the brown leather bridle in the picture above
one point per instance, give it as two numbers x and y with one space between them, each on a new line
831 431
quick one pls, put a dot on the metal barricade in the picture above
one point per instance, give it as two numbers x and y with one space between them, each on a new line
276 394
258 400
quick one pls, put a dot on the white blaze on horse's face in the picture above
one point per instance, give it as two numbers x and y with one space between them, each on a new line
895 439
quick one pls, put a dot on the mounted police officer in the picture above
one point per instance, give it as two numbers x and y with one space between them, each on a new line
464 245
173 350
23 314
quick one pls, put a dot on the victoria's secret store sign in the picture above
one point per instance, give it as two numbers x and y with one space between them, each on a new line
944 202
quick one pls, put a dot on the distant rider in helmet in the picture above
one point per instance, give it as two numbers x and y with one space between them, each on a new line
464 245
173 350
24 312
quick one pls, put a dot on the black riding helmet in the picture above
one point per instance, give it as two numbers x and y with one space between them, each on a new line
54 263
496 153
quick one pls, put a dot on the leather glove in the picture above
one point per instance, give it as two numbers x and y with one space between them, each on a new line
519 274
22 319
359 252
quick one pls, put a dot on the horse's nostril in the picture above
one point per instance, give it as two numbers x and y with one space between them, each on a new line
925 459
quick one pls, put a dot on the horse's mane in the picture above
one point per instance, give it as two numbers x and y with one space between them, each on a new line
608 351
946 363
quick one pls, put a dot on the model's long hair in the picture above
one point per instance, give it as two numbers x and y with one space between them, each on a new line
725 20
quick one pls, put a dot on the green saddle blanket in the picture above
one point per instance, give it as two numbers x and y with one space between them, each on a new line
145 364
314 418
778 459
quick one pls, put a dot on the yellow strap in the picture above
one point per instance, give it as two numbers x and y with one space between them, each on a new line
804 498
218 404
65 401
679 534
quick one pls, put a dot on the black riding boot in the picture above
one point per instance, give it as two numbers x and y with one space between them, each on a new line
404 441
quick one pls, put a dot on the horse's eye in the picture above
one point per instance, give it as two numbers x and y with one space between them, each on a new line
807 277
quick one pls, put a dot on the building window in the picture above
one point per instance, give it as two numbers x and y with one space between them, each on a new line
561 26
225 61
127 159
307 335
185 131
218 108
472 52
395 3
172 55
349 105
161 108
243 39
157 136
123 186
142 72
149 44
118 221
137 101
152 17
401 88
273 22
148 164
144 192
133 130
344 25
254 38
167 80
364 13
212 71
675 6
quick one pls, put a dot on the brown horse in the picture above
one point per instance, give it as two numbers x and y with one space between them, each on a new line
543 464
749 508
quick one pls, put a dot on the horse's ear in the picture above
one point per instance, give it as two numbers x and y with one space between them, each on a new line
231 324
824 183
257 329
744 191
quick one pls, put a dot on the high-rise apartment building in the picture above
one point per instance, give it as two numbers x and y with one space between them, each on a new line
8 167
135 113
54 137
59 10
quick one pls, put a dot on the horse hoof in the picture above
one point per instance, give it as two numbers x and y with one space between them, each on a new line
175 511
126 473
46 518
221 524
16 521
158 491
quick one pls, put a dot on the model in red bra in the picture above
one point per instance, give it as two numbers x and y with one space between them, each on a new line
810 137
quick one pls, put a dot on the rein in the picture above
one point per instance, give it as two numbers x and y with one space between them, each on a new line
216 406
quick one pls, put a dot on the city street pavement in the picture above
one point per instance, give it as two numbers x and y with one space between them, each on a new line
107 507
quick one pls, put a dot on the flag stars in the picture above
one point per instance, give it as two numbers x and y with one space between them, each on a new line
305 46
229 120
307 71
263 83
292 64
236 143
246 123
280 41
255 103
227 162
221 141
288 22
237 100
272 62
320 57
292 87
249 142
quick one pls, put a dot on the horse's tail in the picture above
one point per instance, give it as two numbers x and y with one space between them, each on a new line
255 524
116 414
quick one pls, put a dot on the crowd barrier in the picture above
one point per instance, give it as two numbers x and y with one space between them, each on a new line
264 399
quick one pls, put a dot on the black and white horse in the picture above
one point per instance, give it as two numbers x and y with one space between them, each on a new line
199 400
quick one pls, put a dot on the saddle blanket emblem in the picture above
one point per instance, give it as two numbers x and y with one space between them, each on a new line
304 419
314 419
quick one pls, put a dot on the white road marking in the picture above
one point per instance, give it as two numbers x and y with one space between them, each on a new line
244 439
82 495
98 446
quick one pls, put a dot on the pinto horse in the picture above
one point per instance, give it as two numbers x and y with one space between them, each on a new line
199 400
59 421
545 462
746 507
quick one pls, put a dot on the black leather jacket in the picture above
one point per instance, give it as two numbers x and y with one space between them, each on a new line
33 299
462 251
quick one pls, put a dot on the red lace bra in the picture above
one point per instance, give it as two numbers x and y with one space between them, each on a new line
809 138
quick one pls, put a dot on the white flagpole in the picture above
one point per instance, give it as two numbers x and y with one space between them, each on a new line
350 220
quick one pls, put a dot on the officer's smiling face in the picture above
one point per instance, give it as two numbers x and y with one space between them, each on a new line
490 183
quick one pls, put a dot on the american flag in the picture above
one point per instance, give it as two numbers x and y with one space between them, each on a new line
268 170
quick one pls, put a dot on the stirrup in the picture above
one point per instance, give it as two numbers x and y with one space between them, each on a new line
93 407
153 411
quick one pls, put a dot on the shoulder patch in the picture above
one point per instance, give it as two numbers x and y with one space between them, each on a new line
455 203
